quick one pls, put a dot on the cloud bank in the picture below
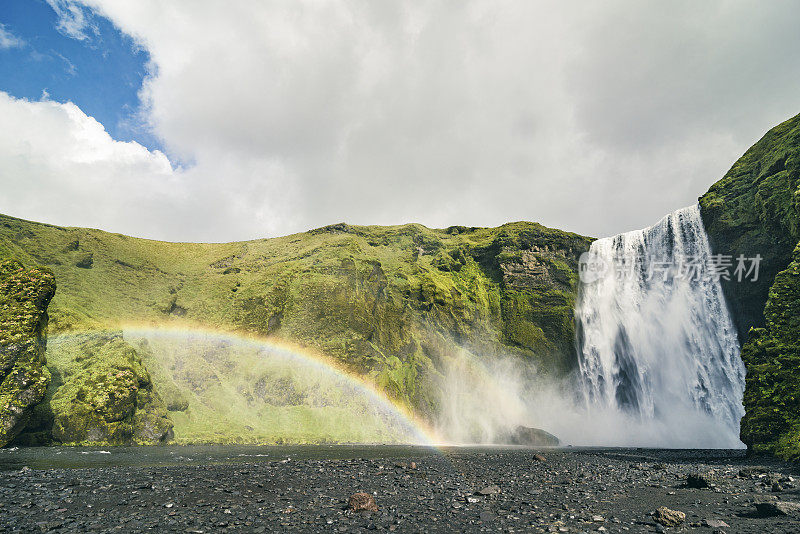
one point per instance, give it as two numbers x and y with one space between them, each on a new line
287 116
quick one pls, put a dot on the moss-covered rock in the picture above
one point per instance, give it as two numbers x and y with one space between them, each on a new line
755 210
772 356
101 393
24 296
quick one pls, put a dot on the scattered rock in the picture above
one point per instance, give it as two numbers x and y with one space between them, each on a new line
487 516
750 472
775 508
668 518
362 502
715 523
539 458
489 490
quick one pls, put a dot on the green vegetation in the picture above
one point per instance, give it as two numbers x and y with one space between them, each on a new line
755 209
100 394
24 295
388 303
772 356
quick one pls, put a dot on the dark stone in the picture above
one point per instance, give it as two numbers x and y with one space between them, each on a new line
532 437
776 508
697 481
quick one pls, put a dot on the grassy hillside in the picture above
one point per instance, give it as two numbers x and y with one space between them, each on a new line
390 303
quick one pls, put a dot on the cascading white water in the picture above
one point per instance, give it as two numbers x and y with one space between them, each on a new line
658 350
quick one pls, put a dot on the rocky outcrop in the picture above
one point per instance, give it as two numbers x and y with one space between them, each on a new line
755 211
24 296
772 356
101 394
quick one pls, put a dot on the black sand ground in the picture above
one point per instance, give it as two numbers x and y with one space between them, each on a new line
459 490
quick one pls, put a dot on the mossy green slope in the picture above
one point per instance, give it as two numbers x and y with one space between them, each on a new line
24 296
755 209
772 357
386 302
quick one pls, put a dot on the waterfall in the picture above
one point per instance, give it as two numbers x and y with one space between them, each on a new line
658 351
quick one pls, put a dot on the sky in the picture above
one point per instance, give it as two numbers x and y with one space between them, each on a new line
199 120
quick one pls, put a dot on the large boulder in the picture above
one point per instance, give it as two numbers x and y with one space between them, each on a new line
24 296
102 393
532 437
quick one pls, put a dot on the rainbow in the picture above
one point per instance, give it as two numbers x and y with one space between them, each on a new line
420 432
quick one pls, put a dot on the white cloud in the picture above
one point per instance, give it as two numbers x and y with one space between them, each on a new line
60 165
58 161
595 119
8 39
72 20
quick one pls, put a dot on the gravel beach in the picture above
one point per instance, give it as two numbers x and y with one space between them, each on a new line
415 489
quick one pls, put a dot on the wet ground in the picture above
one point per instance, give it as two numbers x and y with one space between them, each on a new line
306 489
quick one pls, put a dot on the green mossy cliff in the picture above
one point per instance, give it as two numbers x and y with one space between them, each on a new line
100 394
24 296
755 210
388 303
772 357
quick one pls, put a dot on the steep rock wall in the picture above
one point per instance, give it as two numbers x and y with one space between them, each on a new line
755 210
24 296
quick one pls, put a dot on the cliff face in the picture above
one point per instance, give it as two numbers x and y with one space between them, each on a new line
755 210
24 296
772 357
390 303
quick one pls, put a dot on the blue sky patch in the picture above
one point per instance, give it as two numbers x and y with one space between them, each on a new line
99 69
